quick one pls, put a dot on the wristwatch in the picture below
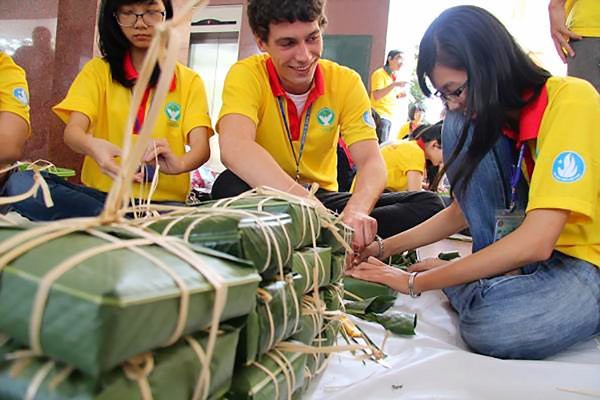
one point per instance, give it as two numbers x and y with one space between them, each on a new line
411 285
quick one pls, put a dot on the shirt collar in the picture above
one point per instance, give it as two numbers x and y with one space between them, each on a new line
318 87
131 73
530 119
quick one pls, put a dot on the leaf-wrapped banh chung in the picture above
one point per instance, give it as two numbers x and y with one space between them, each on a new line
93 299
338 266
260 238
306 222
312 264
172 373
274 319
329 239
311 322
316 362
275 376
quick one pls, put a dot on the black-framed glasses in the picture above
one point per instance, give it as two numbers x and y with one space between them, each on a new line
150 18
454 95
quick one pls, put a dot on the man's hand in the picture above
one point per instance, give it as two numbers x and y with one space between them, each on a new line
364 226
104 153
558 30
160 151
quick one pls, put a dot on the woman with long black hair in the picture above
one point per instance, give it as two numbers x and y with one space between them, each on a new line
522 153
96 109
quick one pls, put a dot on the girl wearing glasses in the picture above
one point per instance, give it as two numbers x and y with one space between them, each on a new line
95 111
522 154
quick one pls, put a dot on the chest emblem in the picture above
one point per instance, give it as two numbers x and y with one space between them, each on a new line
173 112
325 116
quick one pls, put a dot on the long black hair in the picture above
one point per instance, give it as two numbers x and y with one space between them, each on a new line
499 74
113 43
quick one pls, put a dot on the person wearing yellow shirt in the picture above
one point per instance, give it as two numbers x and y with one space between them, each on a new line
406 161
14 114
575 30
283 113
385 90
415 119
96 108
522 154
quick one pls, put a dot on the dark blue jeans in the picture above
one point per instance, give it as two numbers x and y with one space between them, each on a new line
552 305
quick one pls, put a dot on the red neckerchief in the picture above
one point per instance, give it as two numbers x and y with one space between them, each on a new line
317 90
529 126
421 143
131 74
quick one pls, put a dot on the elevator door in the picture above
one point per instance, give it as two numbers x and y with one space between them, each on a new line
211 56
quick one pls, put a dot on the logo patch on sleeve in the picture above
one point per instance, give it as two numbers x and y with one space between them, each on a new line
568 167
368 118
21 95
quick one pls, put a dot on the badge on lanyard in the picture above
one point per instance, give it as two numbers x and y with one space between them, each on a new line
509 219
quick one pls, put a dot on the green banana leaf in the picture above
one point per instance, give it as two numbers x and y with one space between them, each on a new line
394 321
263 240
116 304
404 260
174 376
338 266
305 219
306 261
275 318
253 383
364 289
311 322
315 362
378 304
448 255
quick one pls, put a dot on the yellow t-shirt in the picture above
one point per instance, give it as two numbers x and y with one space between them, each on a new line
343 106
404 131
106 103
567 165
583 17
400 158
385 106
14 92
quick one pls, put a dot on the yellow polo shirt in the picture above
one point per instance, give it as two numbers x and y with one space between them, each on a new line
567 165
385 106
583 17
400 158
14 92
404 131
343 106
106 103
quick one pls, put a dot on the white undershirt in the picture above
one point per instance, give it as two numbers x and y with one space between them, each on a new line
299 100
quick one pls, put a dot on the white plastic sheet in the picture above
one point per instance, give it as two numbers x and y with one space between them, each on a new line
436 364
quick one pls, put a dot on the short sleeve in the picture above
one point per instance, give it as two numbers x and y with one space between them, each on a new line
85 93
377 80
14 92
567 167
242 93
197 114
356 120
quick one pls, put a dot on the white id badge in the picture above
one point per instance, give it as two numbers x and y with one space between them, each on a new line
506 222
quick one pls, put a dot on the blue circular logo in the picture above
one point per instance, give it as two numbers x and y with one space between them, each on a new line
568 167
21 95
368 118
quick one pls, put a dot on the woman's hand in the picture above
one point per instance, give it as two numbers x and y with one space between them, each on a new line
160 151
427 264
104 153
376 271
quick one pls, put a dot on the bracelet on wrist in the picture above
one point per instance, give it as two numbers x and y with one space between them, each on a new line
381 245
411 285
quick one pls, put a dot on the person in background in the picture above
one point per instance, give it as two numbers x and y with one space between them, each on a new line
522 154
14 115
385 90
96 110
575 30
416 112
283 114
